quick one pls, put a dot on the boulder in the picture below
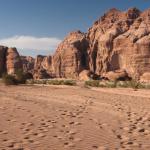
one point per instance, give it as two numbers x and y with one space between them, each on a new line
116 75
145 77
85 75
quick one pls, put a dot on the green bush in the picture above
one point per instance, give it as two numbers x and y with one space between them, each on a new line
52 82
9 80
92 83
134 84
22 77
111 84
61 82
55 82
69 82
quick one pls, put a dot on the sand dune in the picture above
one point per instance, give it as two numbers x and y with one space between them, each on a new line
73 118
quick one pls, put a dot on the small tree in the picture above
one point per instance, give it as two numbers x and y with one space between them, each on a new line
9 79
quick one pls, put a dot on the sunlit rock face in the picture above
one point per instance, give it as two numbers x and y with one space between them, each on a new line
71 56
120 40
117 45
117 41
13 61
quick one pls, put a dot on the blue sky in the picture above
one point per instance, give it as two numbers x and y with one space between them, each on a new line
30 22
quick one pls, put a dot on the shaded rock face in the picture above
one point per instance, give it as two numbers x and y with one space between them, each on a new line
120 40
43 67
71 56
13 61
28 63
10 60
3 51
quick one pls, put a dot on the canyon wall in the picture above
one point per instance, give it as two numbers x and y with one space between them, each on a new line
117 43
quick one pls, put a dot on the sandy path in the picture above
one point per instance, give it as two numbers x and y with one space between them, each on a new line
73 118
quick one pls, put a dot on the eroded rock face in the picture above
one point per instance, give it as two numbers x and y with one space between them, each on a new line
43 67
120 40
28 63
117 41
13 61
71 56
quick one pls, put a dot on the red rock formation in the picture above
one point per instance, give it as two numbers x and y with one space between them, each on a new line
28 63
120 40
43 67
71 56
117 41
13 61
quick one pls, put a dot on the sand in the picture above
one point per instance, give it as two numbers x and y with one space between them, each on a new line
73 118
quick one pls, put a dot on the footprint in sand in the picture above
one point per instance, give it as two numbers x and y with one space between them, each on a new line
3 132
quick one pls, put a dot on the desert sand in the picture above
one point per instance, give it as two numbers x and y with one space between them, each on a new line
73 118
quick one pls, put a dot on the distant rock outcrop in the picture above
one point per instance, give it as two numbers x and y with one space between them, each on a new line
43 67
28 63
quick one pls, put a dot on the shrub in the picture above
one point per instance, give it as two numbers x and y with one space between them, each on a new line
134 84
30 81
22 77
61 82
69 82
111 84
55 82
9 80
52 82
123 84
93 83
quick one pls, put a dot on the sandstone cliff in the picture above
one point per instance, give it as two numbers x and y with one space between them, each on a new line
10 60
71 56
116 46
13 61
117 41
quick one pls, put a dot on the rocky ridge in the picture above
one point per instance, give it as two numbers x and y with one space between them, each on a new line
118 44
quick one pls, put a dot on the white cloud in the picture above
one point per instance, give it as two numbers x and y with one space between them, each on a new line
31 43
